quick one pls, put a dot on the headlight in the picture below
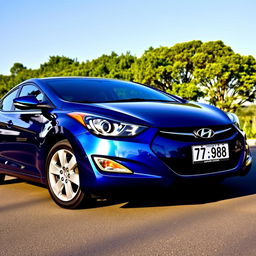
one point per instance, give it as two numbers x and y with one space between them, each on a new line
234 118
107 127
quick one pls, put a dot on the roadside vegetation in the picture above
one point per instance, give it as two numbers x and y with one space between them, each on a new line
209 71
247 117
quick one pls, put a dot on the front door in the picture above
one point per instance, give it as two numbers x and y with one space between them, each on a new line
20 135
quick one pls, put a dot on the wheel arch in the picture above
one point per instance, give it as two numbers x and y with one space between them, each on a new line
55 135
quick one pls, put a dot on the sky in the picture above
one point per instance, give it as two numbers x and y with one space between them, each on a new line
33 30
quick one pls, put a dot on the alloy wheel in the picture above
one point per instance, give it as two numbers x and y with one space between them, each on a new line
64 175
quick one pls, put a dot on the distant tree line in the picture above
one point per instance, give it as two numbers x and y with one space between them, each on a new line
193 70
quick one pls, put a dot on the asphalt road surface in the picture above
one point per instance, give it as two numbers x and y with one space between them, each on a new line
194 220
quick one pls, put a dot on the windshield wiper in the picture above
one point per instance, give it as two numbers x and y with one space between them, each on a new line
83 101
138 100
127 100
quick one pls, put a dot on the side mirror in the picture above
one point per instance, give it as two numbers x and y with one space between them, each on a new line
29 102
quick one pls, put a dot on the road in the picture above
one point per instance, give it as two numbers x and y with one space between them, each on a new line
214 220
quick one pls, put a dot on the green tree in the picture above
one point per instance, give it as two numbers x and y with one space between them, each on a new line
57 66
195 70
16 68
110 66
170 69
4 84
192 70
226 79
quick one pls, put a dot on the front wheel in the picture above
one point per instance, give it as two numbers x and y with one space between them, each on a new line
2 177
63 176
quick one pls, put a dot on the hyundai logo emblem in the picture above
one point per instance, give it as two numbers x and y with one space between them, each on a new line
205 133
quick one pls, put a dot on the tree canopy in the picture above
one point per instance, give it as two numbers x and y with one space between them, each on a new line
194 70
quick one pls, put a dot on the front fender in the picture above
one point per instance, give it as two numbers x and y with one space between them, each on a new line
66 128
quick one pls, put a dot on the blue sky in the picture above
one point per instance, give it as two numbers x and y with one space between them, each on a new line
33 30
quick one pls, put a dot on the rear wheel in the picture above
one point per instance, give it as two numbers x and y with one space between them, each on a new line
63 176
2 177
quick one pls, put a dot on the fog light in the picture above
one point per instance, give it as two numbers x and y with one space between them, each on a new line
108 165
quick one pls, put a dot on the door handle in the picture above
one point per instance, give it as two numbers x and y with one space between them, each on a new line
9 124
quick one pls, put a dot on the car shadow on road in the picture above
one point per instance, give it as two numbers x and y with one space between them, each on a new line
181 194
12 181
191 194
178 194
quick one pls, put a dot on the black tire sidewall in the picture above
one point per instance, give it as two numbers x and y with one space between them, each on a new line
2 177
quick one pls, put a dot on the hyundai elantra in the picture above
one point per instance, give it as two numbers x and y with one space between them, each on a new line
81 136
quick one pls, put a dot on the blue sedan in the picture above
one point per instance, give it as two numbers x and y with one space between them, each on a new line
81 136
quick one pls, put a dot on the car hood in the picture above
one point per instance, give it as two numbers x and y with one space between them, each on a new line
161 114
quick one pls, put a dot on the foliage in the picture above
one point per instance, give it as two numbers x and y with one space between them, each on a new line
170 69
17 68
194 70
226 79
247 117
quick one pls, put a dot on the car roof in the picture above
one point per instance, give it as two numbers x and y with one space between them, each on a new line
72 78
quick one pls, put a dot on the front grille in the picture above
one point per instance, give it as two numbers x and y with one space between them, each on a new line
187 133
186 167
176 152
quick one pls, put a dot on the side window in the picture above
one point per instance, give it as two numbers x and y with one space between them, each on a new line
28 90
7 102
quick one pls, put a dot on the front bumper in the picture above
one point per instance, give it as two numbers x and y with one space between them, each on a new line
155 160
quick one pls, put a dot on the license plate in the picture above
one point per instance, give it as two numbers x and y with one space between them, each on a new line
210 153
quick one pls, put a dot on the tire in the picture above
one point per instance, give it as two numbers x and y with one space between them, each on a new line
63 178
2 177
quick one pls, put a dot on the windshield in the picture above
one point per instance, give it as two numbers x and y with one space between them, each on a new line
102 90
